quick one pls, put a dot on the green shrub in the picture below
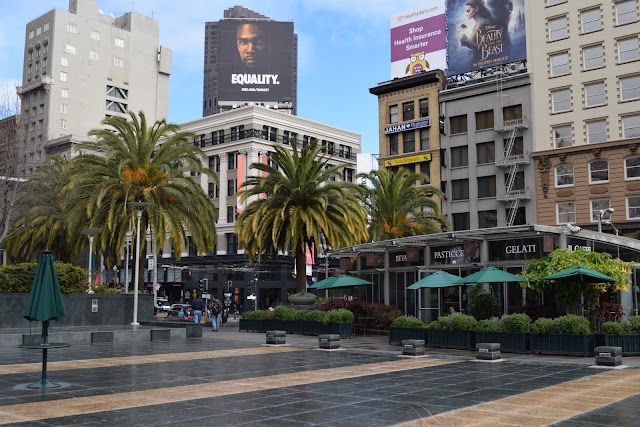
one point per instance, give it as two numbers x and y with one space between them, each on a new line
340 315
283 313
516 323
105 289
256 315
315 315
614 328
19 277
407 322
482 304
455 322
490 325
572 325
542 326
634 324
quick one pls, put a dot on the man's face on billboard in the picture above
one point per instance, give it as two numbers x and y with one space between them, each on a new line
251 44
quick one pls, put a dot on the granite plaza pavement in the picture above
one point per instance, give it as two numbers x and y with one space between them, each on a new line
231 378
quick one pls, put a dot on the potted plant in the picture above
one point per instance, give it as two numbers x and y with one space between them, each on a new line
339 321
407 328
453 331
624 334
254 321
568 335
512 331
302 298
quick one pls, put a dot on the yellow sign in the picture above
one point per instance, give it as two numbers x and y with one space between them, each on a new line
408 160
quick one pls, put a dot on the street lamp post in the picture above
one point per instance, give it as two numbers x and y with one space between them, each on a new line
126 262
140 206
601 212
91 232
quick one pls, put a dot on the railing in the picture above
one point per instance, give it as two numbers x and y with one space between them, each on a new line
513 195
42 80
507 125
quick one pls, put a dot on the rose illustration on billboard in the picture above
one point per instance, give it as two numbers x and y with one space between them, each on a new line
417 63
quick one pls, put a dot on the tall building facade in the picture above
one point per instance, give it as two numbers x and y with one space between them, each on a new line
269 79
81 66
586 112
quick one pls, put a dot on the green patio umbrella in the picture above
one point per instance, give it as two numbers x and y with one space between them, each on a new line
579 274
343 281
322 283
489 275
44 304
439 279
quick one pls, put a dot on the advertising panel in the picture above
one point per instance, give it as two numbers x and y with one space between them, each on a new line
255 60
418 40
484 33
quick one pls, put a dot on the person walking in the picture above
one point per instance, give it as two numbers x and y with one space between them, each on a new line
198 307
216 309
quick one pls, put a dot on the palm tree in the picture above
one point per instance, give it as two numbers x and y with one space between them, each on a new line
131 162
296 205
40 216
398 208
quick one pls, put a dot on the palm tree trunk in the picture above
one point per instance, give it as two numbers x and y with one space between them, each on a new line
301 273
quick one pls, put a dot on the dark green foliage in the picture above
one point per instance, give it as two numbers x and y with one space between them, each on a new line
634 324
569 325
256 315
516 323
482 304
19 277
338 316
407 322
455 322
542 326
490 325
615 328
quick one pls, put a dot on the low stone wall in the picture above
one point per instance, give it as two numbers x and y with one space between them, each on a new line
112 309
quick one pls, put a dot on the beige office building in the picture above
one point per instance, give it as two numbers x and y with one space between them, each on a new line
83 65
586 111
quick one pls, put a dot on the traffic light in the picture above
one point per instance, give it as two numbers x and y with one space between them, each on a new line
204 285
229 286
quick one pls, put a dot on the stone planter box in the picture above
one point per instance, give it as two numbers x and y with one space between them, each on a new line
630 343
397 335
345 330
297 327
510 342
308 300
568 345
251 325
462 340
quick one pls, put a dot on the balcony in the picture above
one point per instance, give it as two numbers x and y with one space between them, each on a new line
514 159
514 195
41 81
509 125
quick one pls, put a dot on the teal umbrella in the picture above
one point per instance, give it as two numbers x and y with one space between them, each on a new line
322 283
439 279
490 275
343 281
579 274
44 304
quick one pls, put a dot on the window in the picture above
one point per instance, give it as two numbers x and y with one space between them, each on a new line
70 48
424 139
231 187
37 67
31 34
591 20
63 76
231 161
64 61
559 64
95 35
230 213
64 93
593 57
487 186
393 114
631 126
460 189
273 134
117 92
393 144
484 120
486 152
512 112
563 136
461 221
629 88
119 42
214 190
632 167
555 2
626 12
458 124
459 157
517 148
424 107
633 207
347 175
596 206
564 175
214 163
628 50
38 31
565 212
594 94
518 182
45 27
72 28
558 28
118 62
63 123
598 171
487 219
64 108
409 141
561 100
232 243
408 111
596 131
94 55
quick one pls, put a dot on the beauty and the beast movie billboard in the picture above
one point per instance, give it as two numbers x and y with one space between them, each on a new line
484 33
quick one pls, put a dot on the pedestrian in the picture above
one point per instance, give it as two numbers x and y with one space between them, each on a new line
225 315
216 308
198 307
234 310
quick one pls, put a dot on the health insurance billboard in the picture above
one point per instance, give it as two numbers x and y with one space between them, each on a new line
482 34
255 61
418 40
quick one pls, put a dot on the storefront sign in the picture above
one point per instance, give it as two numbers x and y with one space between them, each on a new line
409 257
514 250
465 253
407 126
408 160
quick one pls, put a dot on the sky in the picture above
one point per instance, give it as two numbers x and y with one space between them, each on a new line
343 51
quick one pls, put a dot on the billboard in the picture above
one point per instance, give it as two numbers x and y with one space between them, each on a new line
418 40
255 61
484 33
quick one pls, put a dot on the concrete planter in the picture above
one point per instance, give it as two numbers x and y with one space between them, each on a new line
462 340
397 335
510 342
302 300
630 343
568 345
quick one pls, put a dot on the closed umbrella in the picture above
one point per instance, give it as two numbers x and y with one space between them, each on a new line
44 304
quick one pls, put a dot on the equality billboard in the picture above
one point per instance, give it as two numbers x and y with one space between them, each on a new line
255 61
418 40
484 33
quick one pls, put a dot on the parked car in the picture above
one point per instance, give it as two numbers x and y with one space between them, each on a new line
175 309
163 304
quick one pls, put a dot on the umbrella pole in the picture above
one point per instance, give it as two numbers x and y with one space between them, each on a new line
44 383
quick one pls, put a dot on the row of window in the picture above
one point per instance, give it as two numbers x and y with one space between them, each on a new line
486 219
71 49
485 153
625 11
566 210
484 119
409 110
95 35
39 30
594 94
596 131
593 56
408 141
598 172
486 186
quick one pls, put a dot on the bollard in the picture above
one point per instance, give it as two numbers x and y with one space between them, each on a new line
276 337
329 341
608 356
488 351
413 347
